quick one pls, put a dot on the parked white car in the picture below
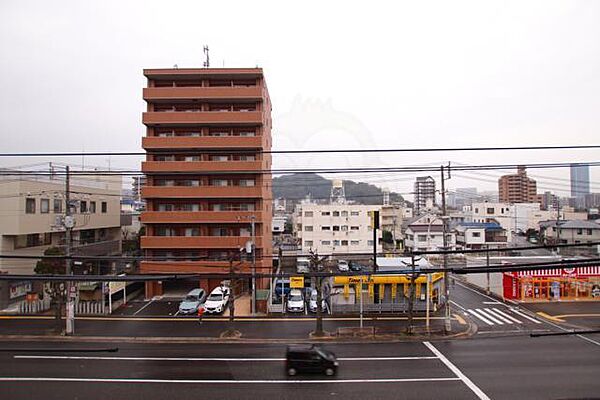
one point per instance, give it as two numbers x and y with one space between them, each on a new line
217 300
343 266
303 265
312 303
295 301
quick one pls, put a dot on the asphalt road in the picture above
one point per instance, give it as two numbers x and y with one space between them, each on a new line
496 368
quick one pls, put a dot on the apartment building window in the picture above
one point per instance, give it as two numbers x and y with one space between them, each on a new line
354 228
164 231
579 231
336 228
476 210
165 207
490 210
247 158
308 213
344 228
57 206
354 213
589 231
325 242
246 182
30 206
33 240
104 207
422 238
219 158
344 213
189 207
45 206
325 213
476 234
308 243
308 228
92 207
336 213
191 158
192 232
83 206
219 182
344 243
219 232
336 242
354 242
188 182
325 228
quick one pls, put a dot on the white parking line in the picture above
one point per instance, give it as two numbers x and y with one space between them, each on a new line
479 316
150 302
525 316
225 381
457 372
210 358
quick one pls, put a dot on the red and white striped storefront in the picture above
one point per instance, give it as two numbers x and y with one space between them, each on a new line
578 283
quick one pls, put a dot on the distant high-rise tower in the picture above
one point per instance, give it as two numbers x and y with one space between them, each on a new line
517 188
424 193
386 196
580 180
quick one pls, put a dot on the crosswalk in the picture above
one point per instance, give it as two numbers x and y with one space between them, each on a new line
495 316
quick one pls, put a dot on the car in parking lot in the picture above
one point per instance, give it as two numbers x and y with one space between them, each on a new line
217 300
343 266
194 299
355 267
303 265
310 358
295 301
312 302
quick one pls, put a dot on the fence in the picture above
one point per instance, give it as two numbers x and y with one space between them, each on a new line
90 308
374 308
34 307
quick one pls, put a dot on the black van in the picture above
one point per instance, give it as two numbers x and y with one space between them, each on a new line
310 359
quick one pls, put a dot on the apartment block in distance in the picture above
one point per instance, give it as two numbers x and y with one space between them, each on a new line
517 188
208 181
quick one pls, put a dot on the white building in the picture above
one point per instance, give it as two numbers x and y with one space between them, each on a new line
32 208
335 228
426 233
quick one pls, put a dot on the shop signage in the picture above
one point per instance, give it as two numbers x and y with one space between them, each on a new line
114 287
296 282
19 289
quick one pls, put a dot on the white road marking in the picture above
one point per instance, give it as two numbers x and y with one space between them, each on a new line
150 302
491 302
457 372
177 313
489 316
225 381
480 317
507 316
210 358
525 316
503 318
457 305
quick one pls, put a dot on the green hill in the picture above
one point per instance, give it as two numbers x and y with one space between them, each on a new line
296 187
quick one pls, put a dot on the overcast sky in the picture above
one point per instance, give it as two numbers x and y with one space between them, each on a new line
340 75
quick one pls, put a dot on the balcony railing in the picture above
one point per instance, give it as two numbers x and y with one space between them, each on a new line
199 216
199 242
203 117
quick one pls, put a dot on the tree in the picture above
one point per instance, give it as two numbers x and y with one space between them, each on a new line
57 290
316 265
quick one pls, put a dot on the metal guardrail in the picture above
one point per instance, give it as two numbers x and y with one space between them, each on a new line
371 308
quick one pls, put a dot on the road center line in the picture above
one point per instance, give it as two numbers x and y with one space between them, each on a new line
223 381
457 372
40 357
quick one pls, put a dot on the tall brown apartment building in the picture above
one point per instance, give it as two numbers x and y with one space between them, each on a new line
208 180
517 188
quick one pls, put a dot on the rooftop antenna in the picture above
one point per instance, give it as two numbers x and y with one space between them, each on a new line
207 62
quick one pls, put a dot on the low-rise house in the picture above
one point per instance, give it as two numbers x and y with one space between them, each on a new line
477 235
571 232
426 233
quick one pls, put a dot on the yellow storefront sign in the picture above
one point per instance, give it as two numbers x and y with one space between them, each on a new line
296 282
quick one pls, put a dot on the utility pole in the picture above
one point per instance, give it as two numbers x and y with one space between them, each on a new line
411 295
375 226
69 223
487 274
316 264
252 218
447 322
